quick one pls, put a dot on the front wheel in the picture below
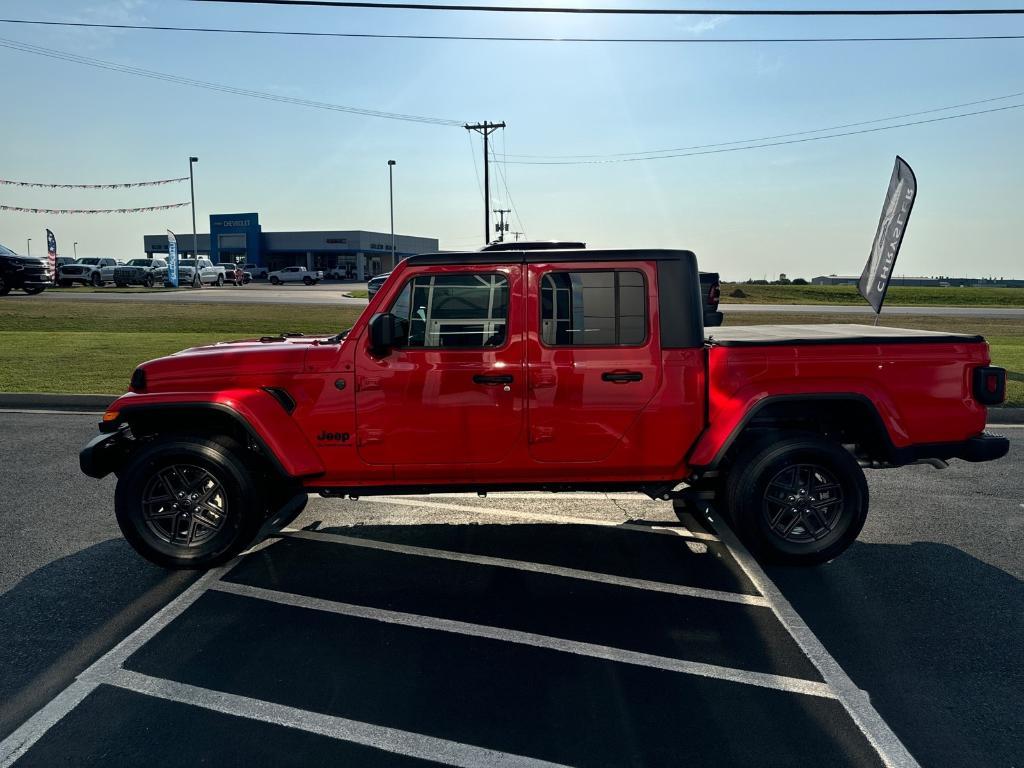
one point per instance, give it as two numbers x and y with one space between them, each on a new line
307 280
274 279
798 501
188 503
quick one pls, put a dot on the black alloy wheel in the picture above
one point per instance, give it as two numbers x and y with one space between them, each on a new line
798 500
803 503
184 505
185 502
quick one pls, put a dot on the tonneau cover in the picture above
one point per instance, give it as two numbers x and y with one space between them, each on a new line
838 333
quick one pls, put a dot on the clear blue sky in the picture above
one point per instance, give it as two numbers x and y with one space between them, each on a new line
803 209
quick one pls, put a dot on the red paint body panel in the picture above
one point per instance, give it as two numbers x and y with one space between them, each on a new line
417 417
921 391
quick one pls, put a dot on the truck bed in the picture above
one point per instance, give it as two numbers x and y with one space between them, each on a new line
833 333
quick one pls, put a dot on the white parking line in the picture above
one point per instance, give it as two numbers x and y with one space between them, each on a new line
524 565
761 679
670 530
386 739
855 701
15 745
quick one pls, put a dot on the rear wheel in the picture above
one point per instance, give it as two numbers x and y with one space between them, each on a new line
307 280
188 503
798 501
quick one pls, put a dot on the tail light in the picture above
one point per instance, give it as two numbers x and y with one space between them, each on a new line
714 294
989 385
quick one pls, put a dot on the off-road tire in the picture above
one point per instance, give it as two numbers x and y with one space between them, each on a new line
236 496
829 507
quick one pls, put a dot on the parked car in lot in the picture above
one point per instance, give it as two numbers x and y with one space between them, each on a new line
234 274
565 369
258 272
200 272
374 284
88 270
296 275
24 272
146 272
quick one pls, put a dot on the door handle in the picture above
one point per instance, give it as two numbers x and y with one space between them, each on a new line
493 379
621 377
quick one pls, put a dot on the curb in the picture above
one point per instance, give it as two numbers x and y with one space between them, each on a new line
1006 415
55 401
99 403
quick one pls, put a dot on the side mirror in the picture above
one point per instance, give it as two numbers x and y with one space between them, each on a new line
383 333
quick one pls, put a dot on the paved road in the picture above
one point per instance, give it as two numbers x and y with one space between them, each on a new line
320 294
331 294
924 613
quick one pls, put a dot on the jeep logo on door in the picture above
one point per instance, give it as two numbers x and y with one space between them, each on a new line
333 437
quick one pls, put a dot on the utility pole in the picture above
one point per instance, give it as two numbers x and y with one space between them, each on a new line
501 228
517 234
485 129
391 198
192 189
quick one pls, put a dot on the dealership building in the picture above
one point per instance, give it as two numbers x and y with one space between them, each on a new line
239 238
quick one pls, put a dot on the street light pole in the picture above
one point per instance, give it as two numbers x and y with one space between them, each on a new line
28 246
76 250
192 189
391 196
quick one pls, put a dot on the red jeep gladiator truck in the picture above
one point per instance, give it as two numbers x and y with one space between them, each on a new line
540 370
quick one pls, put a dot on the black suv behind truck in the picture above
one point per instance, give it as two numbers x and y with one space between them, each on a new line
28 274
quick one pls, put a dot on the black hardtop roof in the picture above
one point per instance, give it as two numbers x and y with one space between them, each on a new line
534 245
549 257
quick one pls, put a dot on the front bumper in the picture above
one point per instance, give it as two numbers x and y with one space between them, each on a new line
104 453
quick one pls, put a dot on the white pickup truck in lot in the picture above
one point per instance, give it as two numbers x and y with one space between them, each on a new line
296 275
87 270
199 272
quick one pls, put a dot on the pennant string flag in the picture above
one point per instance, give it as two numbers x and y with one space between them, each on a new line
123 185
59 211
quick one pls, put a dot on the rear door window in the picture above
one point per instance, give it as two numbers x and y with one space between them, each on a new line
593 308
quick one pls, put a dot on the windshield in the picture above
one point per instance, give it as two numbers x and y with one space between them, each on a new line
187 263
4 251
89 261
140 263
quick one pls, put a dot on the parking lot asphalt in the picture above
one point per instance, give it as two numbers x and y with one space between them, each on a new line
514 630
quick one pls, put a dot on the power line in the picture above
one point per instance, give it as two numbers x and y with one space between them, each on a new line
769 144
638 11
513 39
15 45
770 138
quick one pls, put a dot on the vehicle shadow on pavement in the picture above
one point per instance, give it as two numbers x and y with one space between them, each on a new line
62 617
934 635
